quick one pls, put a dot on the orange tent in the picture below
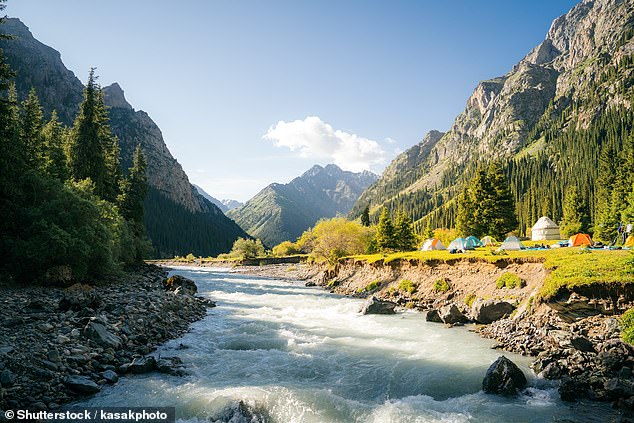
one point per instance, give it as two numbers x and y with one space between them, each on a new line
629 242
579 240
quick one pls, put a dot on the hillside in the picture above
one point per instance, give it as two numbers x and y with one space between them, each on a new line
224 205
178 219
553 114
282 212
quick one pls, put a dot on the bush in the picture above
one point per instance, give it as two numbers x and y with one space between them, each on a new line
469 299
247 248
371 286
441 285
509 280
285 248
407 286
335 238
627 326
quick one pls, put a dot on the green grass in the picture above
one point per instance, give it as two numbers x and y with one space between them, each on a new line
569 268
441 285
627 326
407 286
370 287
469 299
509 280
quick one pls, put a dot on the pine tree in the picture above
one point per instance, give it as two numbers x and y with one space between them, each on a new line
112 152
54 158
606 222
31 131
502 214
365 216
575 213
385 232
404 237
134 188
429 232
86 157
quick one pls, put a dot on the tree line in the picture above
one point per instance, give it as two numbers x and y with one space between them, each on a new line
68 211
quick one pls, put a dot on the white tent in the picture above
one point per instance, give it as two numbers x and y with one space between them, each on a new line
545 229
432 244
512 243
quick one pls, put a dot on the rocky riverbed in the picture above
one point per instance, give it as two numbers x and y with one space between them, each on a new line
59 344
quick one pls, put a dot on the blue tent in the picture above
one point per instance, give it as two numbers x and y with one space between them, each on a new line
461 244
473 240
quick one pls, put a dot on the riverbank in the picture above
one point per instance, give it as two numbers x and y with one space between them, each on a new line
57 345
574 338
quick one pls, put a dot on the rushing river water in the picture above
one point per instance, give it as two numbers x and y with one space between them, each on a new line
298 354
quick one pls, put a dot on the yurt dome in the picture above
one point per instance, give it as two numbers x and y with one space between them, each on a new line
545 229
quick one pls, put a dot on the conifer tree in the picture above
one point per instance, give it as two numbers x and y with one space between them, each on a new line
429 232
404 237
385 232
502 214
365 216
575 213
606 223
54 158
112 152
31 131
86 157
134 189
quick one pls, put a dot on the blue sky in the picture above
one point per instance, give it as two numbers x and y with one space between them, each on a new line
253 92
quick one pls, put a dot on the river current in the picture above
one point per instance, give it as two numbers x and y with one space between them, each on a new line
297 354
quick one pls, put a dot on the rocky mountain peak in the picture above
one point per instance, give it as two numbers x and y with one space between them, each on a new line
115 97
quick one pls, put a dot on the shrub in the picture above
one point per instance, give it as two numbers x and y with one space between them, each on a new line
441 285
509 280
407 286
371 286
285 248
469 299
627 326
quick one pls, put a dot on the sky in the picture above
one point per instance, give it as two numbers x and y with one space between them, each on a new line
248 93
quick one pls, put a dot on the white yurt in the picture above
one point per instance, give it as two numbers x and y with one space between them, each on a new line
545 229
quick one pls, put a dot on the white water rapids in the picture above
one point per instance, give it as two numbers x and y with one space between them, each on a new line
297 354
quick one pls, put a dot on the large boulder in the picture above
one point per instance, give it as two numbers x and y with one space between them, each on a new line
450 314
375 306
142 365
503 377
82 385
100 335
433 316
180 284
488 311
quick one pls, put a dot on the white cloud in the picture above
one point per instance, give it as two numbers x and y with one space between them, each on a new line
390 140
313 138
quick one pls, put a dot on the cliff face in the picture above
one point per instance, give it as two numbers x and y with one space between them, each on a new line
281 212
39 66
566 78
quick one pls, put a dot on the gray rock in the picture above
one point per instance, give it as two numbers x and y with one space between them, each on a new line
45 327
582 344
375 306
53 355
82 385
180 284
432 316
110 376
488 311
142 365
503 377
7 378
450 314
98 333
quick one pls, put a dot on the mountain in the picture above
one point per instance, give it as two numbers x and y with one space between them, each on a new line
282 212
177 218
231 204
224 205
549 118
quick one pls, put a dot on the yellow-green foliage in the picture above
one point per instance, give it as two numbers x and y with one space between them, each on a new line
469 299
441 285
509 280
407 286
370 287
285 248
627 326
334 238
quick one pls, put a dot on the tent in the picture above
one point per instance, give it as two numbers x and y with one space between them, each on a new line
545 229
512 243
629 242
474 240
488 241
432 244
579 240
461 244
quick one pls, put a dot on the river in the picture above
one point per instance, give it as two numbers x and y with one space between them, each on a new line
298 354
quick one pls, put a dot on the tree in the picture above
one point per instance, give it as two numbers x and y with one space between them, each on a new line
404 237
86 156
575 213
365 216
134 188
338 237
285 248
54 163
247 248
503 217
385 232
112 152
31 131
428 232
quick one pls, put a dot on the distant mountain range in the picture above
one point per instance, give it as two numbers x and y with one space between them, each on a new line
224 205
178 219
282 212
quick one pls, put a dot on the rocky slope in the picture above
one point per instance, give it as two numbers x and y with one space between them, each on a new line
40 66
282 212
224 205
576 74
